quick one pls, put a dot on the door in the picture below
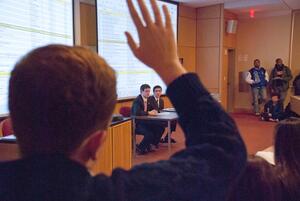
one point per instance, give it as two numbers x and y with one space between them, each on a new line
230 80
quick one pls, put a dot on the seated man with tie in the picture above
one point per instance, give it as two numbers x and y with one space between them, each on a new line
149 129
157 103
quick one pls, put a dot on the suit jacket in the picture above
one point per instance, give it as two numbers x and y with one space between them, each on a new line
205 169
137 108
154 105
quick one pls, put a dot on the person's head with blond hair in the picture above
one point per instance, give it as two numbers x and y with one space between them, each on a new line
61 99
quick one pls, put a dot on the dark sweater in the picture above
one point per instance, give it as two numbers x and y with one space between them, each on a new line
213 159
276 110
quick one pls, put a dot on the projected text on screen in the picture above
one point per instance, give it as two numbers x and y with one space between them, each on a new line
28 24
113 20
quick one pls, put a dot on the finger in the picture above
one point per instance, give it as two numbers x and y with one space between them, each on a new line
168 17
156 12
132 44
134 15
145 12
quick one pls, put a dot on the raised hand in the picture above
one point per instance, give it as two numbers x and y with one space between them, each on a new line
157 48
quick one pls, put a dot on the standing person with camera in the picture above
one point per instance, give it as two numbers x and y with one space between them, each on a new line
280 77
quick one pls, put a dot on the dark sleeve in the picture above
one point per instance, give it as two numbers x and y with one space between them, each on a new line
137 108
213 159
288 75
295 80
152 103
272 75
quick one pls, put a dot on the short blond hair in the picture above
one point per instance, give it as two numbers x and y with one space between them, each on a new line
58 95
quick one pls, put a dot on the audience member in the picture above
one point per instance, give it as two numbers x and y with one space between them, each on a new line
273 109
287 157
259 182
296 85
61 100
258 78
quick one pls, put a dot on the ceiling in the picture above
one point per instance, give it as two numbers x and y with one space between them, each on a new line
243 7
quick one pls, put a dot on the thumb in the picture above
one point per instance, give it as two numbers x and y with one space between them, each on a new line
132 44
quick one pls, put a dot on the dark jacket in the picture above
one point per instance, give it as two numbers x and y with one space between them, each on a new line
137 108
275 110
213 159
280 83
154 105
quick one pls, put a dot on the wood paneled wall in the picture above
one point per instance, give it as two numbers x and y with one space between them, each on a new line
208 46
229 42
187 37
295 46
88 24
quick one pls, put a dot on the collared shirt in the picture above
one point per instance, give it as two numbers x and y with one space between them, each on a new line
157 100
145 103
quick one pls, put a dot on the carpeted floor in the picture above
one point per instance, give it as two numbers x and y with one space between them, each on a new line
257 135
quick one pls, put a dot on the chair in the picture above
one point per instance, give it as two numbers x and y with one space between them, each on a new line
7 128
125 111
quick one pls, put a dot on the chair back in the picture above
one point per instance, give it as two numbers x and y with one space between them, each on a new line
7 128
125 111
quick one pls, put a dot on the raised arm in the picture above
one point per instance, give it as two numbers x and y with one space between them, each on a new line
215 154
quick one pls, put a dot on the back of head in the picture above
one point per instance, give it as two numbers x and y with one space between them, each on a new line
287 157
287 143
258 182
58 95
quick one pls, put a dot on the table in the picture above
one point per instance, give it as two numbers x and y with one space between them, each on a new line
115 151
162 116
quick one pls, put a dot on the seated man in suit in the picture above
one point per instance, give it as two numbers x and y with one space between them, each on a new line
150 129
157 103
61 99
